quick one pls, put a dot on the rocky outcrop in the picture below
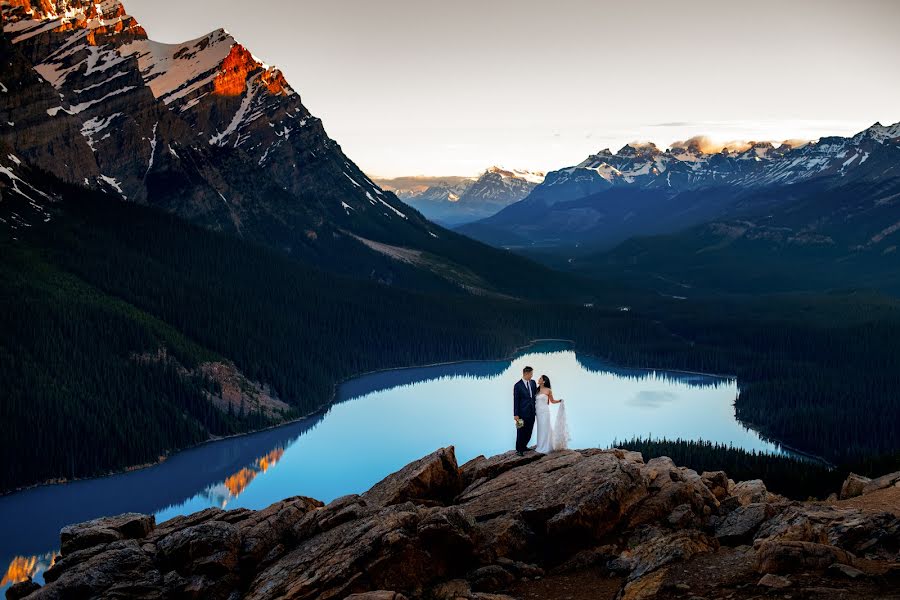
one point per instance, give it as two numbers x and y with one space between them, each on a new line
853 486
785 556
857 485
432 479
109 529
435 530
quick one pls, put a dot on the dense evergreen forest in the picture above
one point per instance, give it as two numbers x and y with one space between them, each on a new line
104 282
796 479
818 372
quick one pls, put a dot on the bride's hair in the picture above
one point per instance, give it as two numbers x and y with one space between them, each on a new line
546 382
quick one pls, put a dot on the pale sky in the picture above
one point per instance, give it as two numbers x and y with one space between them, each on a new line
430 87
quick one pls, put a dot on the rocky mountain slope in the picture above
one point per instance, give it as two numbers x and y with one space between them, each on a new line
573 524
455 201
641 190
806 236
207 131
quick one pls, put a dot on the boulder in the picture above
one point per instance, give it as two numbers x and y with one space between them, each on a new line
492 578
104 530
842 570
202 559
117 569
600 555
740 524
520 569
716 482
787 556
183 521
668 487
776 582
750 492
451 590
853 486
488 468
880 483
209 548
683 516
504 536
662 549
402 547
852 529
267 531
338 511
565 496
19 590
645 588
432 480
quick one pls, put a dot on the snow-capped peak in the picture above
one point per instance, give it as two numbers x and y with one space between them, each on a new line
692 164
883 132
25 19
643 149
523 174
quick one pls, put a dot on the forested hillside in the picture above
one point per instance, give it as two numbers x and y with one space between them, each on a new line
92 296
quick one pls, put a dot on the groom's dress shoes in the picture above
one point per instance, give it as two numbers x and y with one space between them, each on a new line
520 453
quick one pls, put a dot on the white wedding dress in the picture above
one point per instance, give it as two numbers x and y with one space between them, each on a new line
549 437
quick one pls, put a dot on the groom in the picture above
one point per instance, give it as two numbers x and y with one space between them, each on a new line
523 408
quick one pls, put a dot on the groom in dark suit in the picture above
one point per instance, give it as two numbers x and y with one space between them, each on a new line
523 408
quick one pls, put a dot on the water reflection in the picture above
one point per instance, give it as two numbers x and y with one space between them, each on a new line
22 568
378 423
236 483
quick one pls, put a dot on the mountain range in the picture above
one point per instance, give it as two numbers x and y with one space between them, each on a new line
208 132
453 201
828 209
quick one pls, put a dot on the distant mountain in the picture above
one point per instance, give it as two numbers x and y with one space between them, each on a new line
206 131
421 187
452 201
642 190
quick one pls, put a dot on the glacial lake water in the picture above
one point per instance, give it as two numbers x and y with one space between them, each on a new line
378 423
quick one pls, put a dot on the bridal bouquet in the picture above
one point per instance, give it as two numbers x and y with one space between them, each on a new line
520 423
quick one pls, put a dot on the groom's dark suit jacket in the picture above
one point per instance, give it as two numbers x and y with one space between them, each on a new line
523 402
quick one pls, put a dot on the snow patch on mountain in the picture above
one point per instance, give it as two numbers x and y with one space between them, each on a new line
182 68
92 127
238 117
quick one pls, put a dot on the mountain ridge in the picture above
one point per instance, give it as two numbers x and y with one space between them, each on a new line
206 131
594 201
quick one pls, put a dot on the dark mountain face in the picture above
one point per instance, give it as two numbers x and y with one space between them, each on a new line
808 236
167 124
642 191
206 131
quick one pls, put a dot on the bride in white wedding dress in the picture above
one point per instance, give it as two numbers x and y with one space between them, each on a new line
549 437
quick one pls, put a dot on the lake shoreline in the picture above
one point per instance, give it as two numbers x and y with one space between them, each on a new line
334 397
324 408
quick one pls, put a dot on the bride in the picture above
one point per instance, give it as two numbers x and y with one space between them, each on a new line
550 438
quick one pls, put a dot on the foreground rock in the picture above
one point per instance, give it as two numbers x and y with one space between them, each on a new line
435 530
857 485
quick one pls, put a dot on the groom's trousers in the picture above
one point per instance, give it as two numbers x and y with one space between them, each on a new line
523 434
